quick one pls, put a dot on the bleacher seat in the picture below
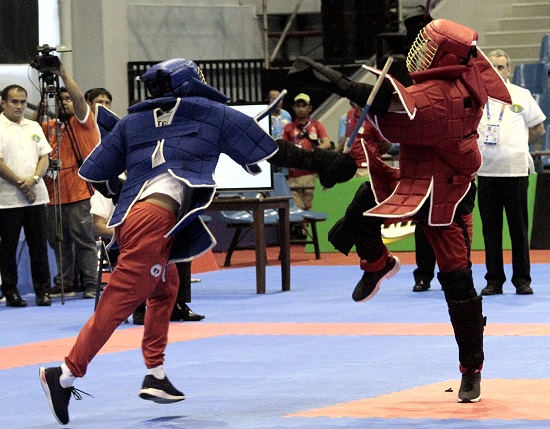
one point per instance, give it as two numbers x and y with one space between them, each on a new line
243 220
299 216
544 103
546 147
545 51
534 77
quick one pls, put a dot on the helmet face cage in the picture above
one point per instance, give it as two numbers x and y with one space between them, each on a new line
422 53
158 86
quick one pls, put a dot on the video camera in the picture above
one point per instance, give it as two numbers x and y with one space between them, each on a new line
46 61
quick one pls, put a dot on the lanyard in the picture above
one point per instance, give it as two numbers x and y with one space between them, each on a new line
499 116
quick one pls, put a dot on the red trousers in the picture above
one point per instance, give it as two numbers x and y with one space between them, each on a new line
452 244
141 273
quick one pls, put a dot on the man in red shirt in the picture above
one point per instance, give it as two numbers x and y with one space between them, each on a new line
306 133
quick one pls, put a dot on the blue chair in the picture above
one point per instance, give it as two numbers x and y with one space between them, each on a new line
243 221
546 147
534 77
545 51
543 101
299 216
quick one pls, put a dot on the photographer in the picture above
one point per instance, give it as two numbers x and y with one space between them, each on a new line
73 135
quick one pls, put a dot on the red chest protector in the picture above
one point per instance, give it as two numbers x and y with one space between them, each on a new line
439 154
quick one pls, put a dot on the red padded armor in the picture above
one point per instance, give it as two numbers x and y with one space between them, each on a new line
439 151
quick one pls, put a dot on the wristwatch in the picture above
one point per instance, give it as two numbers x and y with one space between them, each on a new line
36 178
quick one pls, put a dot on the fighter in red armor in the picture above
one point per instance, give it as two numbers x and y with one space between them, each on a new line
435 121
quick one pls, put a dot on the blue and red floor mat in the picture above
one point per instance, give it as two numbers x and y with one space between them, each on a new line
308 358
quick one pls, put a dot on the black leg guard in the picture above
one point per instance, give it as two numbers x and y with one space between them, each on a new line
321 77
468 322
333 167
466 314
356 229
457 285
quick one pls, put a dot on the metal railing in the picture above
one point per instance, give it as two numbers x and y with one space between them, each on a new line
238 79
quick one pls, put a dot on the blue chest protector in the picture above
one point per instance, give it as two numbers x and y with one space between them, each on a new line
188 145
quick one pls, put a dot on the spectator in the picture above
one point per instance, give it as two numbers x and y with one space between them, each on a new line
96 96
368 134
24 153
279 117
70 231
306 133
425 261
504 135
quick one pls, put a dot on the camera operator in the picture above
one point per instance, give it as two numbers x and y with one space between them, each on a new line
73 135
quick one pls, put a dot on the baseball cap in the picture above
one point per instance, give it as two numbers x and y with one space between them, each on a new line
304 97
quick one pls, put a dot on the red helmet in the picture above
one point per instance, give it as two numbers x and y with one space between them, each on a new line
441 43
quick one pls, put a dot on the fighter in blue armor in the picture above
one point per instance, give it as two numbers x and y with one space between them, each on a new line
169 146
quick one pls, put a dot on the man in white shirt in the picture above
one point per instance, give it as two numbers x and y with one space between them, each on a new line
504 135
23 197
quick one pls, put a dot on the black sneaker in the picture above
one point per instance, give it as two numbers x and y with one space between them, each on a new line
58 397
56 291
160 391
470 387
421 286
370 282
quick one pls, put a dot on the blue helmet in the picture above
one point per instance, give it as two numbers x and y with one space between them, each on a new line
171 77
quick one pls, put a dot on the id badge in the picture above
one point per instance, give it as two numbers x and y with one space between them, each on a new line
491 134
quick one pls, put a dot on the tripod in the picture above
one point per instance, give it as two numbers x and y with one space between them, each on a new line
49 89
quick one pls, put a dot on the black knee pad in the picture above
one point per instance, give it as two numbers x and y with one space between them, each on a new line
458 285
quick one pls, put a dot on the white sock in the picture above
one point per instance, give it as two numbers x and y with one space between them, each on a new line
157 372
67 378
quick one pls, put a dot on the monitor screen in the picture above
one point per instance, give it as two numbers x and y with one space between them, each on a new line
230 176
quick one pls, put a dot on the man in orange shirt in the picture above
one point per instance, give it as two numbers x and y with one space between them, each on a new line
70 230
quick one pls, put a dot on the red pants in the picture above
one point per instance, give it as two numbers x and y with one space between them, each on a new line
141 273
452 244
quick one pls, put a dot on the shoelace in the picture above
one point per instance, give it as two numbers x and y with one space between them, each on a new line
77 393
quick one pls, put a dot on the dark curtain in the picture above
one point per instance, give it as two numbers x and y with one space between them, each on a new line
18 31
350 27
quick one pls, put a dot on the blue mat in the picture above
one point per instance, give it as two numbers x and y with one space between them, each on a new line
256 381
